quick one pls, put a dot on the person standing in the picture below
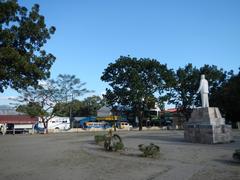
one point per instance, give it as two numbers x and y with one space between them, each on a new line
3 129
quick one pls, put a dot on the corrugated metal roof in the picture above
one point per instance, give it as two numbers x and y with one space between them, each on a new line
104 111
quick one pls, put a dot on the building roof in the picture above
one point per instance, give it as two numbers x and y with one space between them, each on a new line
78 119
104 111
17 119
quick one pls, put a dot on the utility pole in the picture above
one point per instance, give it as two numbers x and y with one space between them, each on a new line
70 112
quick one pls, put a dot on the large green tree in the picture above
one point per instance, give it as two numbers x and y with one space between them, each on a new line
23 33
92 104
227 98
184 88
68 109
134 81
216 79
86 107
187 80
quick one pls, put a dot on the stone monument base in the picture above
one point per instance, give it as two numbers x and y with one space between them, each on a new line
207 126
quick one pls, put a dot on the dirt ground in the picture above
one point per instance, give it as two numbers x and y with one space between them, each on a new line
75 156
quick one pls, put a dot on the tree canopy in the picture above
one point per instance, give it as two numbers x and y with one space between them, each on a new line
69 87
83 108
227 98
187 79
39 101
23 33
134 81
184 88
46 100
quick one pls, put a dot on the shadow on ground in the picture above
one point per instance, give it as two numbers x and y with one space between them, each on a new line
161 138
229 162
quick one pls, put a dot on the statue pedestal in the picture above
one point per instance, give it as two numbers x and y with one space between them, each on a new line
207 126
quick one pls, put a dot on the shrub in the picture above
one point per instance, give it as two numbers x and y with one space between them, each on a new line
236 155
113 143
151 150
119 146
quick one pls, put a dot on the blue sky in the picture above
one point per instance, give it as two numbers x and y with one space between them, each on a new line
93 33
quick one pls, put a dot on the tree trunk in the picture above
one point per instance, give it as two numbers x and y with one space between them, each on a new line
114 126
140 119
46 127
140 124
45 124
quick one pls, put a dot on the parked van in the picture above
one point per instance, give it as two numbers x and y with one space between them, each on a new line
124 125
61 123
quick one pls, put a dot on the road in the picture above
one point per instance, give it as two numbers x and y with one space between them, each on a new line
76 156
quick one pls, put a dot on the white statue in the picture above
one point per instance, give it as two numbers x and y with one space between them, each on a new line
203 89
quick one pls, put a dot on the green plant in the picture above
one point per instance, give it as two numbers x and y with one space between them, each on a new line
113 142
151 150
118 146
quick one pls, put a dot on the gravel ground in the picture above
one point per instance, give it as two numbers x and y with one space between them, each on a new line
76 156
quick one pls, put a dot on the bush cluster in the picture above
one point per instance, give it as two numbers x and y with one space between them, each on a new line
150 150
112 142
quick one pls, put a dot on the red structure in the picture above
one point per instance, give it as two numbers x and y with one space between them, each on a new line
17 119
18 123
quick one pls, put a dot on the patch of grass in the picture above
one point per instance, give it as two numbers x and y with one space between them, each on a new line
99 139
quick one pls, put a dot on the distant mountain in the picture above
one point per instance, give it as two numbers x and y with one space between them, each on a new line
8 110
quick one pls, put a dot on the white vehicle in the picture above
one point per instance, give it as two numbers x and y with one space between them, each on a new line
61 123
124 125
